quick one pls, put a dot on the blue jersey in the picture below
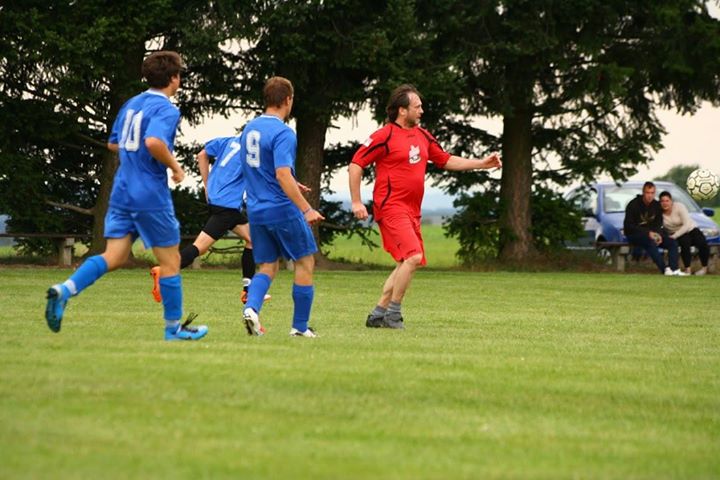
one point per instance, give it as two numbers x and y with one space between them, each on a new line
225 186
141 182
267 144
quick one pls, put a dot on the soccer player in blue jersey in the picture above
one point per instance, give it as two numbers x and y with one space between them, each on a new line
143 135
224 192
279 214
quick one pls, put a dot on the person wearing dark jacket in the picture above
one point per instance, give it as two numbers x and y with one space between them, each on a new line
644 228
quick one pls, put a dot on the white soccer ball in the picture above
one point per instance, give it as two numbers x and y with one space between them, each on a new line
702 184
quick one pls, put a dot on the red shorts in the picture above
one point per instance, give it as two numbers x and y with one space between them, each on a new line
401 236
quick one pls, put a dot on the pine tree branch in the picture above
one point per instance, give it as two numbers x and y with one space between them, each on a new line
74 208
91 141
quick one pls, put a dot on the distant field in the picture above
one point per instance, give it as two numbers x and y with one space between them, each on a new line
440 251
497 375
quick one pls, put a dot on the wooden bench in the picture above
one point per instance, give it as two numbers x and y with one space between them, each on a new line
618 253
620 250
64 242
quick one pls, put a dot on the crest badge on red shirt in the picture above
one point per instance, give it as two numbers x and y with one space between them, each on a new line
414 155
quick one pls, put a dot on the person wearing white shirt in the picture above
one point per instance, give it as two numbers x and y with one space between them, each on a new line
678 223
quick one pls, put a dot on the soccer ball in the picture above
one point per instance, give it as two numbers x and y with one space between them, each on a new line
702 184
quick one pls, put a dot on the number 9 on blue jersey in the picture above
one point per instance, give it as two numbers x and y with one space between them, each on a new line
252 144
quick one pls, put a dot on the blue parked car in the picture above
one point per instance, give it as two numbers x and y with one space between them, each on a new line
4 242
603 206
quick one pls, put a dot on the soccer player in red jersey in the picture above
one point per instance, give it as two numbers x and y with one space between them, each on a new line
400 151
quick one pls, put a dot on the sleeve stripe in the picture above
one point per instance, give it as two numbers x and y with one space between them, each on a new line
371 149
383 144
430 139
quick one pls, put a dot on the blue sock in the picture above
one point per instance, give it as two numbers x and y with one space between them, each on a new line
303 298
172 298
257 290
91 269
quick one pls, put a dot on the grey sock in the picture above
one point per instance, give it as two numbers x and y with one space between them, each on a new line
378 311
394 307
172 325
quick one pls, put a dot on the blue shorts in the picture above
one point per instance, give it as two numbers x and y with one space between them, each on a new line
157 228
291 239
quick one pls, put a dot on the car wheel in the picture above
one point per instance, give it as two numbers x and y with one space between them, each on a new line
604 255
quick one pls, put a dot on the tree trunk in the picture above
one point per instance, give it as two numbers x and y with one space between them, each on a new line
311 131
121 90
107 173
516 243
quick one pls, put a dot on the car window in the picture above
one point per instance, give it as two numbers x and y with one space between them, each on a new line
584 200
681 196
615 199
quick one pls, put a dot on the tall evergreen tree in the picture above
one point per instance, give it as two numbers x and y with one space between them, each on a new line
577 85
335 53
67 67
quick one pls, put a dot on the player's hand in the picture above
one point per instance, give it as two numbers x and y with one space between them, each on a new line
304 188
312 216
359 210
492 161
178 175
656 237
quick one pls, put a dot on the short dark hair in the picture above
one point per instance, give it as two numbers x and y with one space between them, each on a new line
665 193
648 185
159 68
400 97
276 90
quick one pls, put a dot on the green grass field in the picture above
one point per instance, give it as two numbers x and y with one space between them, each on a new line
497 375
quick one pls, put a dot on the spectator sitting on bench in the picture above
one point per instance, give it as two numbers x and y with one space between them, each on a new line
677 222
644 228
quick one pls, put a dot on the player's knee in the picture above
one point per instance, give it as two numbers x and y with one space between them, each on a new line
304 270
415 260
170 263
306 263
303 276
203 242
114 260
112 263
201 249
269 269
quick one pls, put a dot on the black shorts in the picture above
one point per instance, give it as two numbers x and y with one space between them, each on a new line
223 219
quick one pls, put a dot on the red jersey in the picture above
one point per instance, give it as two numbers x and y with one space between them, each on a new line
400 156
